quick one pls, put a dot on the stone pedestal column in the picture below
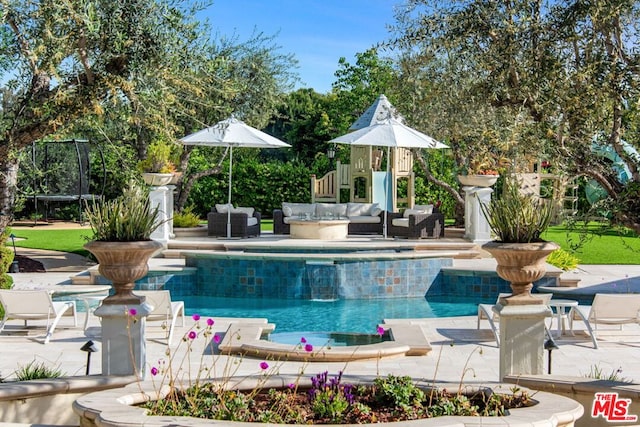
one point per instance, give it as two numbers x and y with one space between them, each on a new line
476 226
522 338
123 340
162 197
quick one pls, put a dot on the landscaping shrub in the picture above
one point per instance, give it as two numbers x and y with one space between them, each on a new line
563 260
36 371
186 218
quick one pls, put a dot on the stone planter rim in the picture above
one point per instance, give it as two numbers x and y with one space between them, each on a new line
478 180
112 408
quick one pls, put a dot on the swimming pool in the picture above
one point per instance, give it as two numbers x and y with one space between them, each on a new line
358 316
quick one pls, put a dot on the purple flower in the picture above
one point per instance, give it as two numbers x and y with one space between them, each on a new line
291 386
308 348
216 339
133 312
192 335
154 371
303 340
195 317
380 330
264 366
210 322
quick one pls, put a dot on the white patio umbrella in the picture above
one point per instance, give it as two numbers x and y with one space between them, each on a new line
232 133
389 133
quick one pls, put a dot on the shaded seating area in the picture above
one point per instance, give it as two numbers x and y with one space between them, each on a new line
245 221
607 309
164 310
35 305
419 222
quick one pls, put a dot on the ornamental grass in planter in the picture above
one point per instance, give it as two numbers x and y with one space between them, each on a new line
518 218
122 240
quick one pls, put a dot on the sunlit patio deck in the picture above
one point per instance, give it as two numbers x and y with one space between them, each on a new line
457 344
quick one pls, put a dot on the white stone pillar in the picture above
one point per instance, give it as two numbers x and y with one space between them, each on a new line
522 335
123 341
476 226
160 196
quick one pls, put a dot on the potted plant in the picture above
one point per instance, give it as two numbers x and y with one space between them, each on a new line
481 172
158 168
518 219
122 240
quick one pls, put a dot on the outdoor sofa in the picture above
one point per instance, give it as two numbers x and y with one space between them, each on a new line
364 218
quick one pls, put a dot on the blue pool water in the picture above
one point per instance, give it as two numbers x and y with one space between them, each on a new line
361 316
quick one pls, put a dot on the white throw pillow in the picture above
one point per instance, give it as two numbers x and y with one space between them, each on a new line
224 208
424 208
248 211
298 209
359 209
408 212
331 209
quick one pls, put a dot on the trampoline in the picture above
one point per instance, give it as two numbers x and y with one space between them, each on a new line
61 172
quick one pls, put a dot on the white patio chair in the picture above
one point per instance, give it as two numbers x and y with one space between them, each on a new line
35 305
164 309
607 309
485 311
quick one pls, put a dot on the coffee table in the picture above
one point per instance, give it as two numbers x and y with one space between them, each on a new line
320 229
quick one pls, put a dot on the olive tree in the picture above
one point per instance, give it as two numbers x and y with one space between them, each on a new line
61 61
544 79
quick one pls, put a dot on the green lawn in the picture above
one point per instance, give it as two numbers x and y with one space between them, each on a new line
55 240
601 247
610 247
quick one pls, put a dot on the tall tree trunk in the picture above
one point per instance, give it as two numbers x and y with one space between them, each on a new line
187 181
459 200
8 184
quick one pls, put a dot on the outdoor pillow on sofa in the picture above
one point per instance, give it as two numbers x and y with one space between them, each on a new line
417 210
336 210
223 208
297 210
251 220
364 213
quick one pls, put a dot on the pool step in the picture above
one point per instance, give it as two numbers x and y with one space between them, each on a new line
239 333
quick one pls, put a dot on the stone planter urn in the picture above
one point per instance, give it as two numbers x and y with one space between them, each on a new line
521 264
478 180
157 179
123 263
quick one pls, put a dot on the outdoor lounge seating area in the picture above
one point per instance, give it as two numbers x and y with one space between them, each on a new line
364 218
419 222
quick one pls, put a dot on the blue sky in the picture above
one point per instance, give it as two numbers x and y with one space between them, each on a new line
317 32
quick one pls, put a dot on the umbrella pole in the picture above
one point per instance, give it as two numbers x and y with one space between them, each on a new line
229 197
386 194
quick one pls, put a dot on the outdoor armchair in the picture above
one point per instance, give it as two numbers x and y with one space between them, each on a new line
245 222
